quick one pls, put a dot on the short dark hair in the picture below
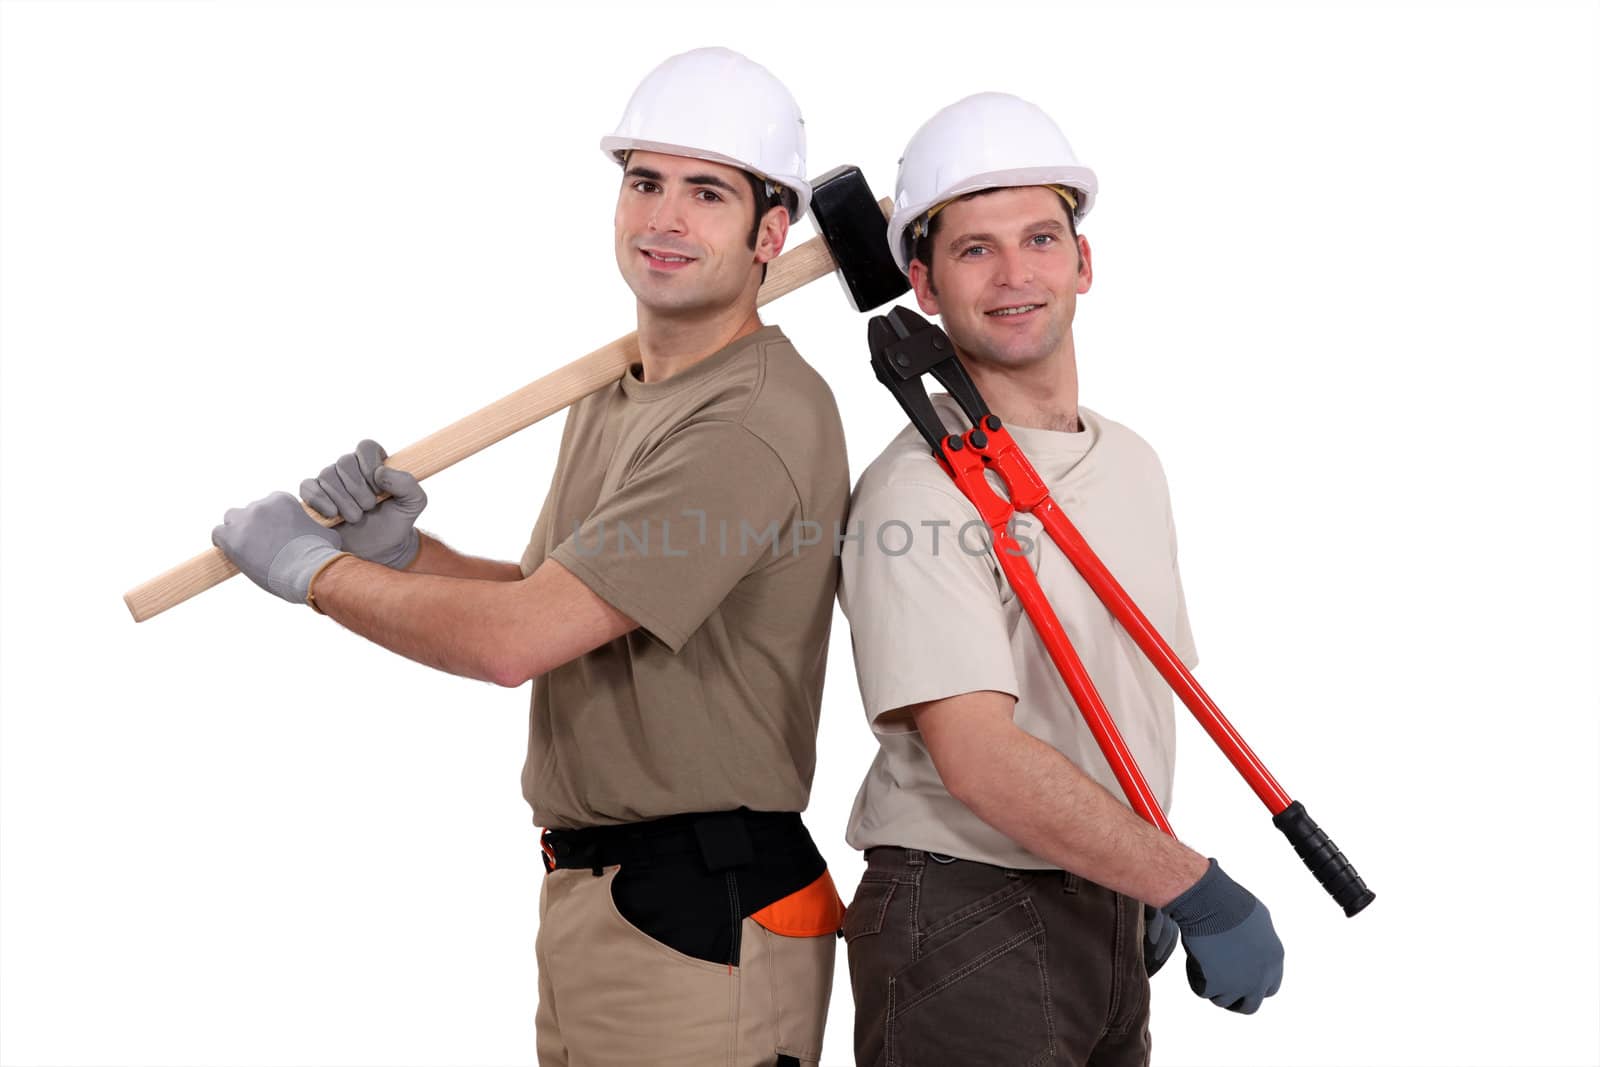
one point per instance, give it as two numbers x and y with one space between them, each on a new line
922 247
765 201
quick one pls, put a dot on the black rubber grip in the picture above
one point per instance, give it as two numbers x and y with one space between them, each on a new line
1324 859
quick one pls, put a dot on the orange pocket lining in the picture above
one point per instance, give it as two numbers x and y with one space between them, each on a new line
815 911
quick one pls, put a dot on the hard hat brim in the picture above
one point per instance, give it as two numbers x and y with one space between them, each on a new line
615 148
1080 179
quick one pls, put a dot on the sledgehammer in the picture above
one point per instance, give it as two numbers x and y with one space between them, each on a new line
851 240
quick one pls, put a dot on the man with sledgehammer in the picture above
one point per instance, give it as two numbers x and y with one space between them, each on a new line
671 609
1013 906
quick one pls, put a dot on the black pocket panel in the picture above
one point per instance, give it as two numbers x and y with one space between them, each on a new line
680 906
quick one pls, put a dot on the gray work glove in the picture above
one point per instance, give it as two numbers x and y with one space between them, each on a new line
1160 938
1235 957
277 545
381 532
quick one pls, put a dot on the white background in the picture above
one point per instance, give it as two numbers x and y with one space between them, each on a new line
1345 285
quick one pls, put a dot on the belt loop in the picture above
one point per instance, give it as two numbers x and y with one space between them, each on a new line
915 857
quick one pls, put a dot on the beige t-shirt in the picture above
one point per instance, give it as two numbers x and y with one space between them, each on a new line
936 618
704 507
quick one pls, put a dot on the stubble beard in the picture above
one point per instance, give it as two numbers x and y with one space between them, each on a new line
1016 356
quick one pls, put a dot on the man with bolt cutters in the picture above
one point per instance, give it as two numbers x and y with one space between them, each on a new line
1013 906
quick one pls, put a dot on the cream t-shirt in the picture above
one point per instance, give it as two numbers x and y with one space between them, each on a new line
932 616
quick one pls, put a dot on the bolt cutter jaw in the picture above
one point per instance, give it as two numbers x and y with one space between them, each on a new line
904 347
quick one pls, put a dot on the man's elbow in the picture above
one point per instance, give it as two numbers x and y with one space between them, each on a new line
504 674
958 771
963 785
983 787
510 669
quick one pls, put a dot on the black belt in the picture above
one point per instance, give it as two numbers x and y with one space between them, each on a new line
723 840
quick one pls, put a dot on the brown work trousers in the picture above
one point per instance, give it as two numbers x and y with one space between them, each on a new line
611 994
954 962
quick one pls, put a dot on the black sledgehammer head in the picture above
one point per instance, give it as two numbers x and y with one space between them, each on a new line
857 234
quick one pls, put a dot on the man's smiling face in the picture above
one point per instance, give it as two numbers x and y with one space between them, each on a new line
683 233
1006 275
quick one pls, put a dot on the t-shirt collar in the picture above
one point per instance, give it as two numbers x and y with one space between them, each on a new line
640 390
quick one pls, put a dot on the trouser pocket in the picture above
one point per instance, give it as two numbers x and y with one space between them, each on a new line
609 993
689 910
815 911
981 997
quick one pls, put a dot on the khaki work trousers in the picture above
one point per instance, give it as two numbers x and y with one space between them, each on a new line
611 994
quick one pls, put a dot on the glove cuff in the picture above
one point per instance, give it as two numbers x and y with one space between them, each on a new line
1213 904
297 562
311 585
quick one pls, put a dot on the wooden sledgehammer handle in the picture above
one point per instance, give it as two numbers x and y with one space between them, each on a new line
521 409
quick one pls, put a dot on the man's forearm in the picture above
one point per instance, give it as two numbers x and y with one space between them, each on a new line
504 632
436 557
452 624
1043 801
439 621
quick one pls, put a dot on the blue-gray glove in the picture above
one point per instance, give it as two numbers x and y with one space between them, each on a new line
1160 938
383 531
277 545
1235 957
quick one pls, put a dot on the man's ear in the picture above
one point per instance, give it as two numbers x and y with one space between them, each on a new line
773 233
922 285
1085 266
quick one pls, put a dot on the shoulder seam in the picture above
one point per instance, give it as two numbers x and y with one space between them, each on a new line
759 384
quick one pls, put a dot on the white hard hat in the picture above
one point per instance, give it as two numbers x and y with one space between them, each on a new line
987 141
713 103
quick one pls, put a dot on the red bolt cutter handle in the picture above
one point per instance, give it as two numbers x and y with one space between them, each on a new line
966 465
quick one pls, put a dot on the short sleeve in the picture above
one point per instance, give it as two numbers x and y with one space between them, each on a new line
923 596
688 523
533 553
